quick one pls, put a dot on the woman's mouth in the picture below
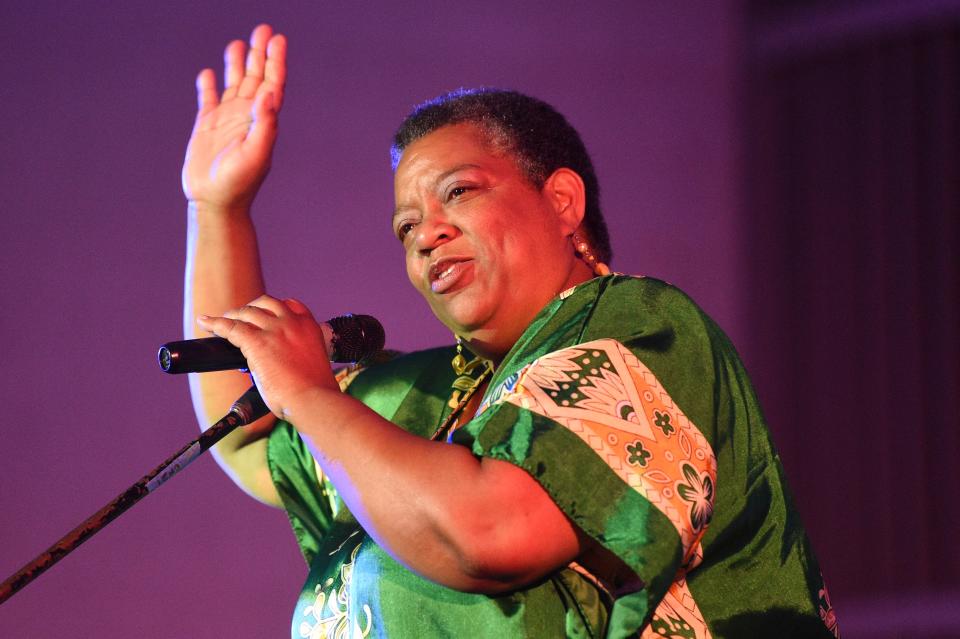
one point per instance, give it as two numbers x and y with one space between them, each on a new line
445 274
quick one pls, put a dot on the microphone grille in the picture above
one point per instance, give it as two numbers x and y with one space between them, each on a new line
355 337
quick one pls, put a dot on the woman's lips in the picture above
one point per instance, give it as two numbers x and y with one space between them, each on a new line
445 274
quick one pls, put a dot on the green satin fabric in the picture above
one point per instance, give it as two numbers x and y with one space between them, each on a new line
356 589
758 576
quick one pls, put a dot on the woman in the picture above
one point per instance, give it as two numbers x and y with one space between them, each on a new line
549 482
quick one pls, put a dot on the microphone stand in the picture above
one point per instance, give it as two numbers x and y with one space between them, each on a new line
245 410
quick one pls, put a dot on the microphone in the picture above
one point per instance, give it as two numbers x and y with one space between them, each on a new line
355 337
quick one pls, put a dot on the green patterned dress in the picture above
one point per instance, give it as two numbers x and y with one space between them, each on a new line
631 408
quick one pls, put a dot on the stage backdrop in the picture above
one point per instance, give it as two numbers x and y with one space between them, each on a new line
97 106
853 283
793 166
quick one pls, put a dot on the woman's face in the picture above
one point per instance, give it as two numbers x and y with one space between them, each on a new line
484 247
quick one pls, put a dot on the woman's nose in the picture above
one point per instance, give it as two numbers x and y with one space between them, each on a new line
434 230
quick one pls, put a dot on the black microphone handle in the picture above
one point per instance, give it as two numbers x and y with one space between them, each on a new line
200 356
355 337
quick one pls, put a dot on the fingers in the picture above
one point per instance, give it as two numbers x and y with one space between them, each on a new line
244 322
275 71
232 68
262 67
256 61
272 305
265 308
269 93
206 92
297 307
252 315
233 330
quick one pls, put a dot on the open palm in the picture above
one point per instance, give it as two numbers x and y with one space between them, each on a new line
229 151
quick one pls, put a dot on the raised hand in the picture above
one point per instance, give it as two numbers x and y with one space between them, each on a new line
229 151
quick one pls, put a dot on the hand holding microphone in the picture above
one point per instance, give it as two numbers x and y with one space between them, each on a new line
286 350
351 338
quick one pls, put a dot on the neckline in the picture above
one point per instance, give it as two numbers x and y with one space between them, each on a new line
548 310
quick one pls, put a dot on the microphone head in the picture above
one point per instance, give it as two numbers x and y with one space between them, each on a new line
356 337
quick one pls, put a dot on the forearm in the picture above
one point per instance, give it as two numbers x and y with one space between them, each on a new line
470 524
222 272
227 159
223 263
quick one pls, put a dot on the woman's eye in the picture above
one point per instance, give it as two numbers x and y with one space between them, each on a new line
457 191
403 229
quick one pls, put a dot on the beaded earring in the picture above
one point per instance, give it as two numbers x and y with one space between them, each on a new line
585 252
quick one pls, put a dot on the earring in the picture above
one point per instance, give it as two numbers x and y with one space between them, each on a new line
459 362
585 252
467 380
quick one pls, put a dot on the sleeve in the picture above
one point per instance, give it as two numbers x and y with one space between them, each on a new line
409 390
600 432
309 500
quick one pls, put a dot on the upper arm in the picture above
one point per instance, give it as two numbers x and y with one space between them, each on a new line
513 532
243 453
247 466
594 428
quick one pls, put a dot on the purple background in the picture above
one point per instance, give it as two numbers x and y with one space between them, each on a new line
97 107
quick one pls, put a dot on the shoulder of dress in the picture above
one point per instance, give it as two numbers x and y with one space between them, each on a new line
648 296
626 283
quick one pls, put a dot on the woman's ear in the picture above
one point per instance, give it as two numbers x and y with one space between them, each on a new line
565 191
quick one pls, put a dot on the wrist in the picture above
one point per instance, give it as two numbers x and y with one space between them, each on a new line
307 401
203 210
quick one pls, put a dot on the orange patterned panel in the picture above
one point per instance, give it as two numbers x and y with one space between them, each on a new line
605 395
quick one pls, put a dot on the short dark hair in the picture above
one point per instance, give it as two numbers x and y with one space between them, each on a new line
538 137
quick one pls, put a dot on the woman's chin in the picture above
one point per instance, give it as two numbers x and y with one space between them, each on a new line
463 315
